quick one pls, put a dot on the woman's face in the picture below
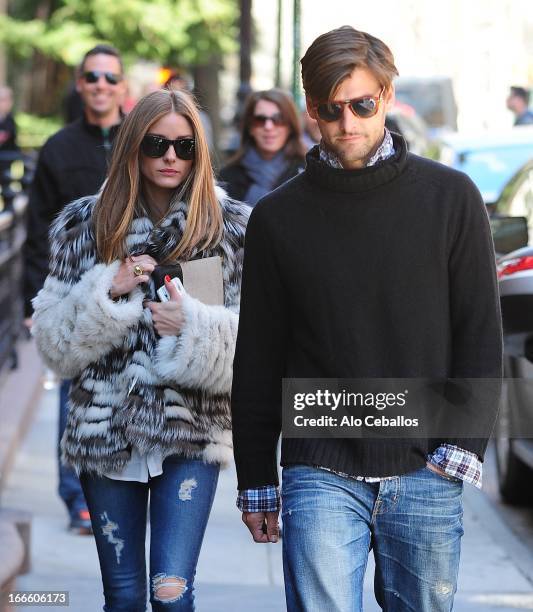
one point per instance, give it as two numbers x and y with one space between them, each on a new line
268 128
162 175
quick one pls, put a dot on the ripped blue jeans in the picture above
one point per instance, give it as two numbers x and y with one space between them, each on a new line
180 503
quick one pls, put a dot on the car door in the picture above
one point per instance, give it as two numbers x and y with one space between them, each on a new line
517 197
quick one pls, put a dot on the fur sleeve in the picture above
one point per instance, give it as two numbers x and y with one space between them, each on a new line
76 325
201 357
75 321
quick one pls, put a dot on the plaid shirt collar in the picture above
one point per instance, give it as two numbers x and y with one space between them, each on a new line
384 151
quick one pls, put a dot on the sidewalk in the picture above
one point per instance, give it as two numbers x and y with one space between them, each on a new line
234 574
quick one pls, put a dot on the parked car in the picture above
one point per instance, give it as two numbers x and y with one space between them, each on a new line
514 428
404 120
489 159
516 199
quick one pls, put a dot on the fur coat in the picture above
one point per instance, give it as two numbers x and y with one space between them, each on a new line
131 387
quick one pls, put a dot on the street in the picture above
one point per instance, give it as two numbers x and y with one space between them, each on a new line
236 575
518 519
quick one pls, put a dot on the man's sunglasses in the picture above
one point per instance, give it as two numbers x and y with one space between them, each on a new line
92 76
260 120
156 146
364 107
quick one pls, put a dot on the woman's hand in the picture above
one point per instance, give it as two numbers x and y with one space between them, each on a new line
168 316
126 280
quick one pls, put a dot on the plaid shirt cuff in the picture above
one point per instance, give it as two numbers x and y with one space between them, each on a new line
261 499
458 463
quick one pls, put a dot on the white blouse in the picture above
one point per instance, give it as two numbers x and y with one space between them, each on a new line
140 467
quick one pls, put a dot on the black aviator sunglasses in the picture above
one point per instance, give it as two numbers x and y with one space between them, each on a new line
92 76
156 146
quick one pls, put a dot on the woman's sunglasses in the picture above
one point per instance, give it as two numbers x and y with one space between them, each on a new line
93 76
364 107
260 120
156 146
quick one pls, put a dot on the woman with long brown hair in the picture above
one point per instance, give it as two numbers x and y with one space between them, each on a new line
149 404
271 150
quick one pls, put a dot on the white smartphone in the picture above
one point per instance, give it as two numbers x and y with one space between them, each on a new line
163 293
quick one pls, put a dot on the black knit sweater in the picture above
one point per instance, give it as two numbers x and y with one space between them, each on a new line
383 272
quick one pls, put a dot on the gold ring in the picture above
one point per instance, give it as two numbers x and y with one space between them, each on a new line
138 270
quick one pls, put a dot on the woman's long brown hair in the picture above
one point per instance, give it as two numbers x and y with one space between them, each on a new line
115 208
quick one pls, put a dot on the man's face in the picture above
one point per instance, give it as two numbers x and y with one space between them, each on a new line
515 103
102 99
352 139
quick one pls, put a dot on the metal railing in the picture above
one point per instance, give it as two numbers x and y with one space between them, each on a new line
16 174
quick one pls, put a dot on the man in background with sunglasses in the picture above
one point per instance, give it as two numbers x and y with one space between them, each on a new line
372 263
73 163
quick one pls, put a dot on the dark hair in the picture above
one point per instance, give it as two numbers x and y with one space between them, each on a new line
333 56
101 50
520 92
294 148
179 78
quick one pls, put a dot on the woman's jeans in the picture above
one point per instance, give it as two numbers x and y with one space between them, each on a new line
180 503
413 522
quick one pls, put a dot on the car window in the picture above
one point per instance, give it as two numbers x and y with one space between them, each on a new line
517 199
490 169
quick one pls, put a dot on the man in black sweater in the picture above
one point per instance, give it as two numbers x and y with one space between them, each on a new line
372 263
72 164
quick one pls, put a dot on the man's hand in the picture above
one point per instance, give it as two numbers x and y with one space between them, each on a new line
262 525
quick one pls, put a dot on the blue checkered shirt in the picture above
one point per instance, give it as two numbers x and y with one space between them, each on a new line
455 461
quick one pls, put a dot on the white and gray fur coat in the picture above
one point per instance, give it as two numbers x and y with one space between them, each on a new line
131 387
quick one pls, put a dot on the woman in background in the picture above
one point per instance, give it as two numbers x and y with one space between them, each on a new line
271 150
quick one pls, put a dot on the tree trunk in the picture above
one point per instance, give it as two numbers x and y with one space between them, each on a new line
49 79
43 80
3 62
206 84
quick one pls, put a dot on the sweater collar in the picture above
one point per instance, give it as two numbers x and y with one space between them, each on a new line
338 179
98 132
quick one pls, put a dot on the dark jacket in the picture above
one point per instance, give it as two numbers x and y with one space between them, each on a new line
72 164
8 125
236 181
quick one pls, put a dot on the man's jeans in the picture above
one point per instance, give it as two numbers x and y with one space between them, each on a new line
413 522
69 488
180 503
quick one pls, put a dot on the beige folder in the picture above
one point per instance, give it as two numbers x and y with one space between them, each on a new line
202 279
